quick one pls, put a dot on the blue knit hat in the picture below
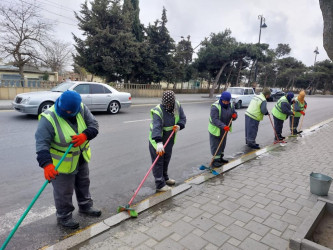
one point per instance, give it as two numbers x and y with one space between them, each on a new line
68 101
290 96
226 96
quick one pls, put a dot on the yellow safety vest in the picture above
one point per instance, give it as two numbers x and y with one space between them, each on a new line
214 130
62 140
254 110
277 111
158 111
300 105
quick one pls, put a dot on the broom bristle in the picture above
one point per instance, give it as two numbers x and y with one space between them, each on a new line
202 167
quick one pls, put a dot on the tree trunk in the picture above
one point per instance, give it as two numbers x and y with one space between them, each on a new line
92 77
216 80
239 70
22 75
248 81
227 81
327 11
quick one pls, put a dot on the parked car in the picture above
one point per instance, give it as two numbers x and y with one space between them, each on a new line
276 94
240 96
97 97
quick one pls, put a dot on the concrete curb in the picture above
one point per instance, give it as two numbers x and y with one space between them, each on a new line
93 230
89 232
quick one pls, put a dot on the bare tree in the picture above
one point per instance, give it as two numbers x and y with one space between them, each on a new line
22 30
56 55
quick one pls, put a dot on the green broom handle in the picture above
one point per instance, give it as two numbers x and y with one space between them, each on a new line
33 201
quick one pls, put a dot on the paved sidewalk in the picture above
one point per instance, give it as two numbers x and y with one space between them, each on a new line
258 205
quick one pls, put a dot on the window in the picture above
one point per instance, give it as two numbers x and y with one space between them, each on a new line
82 89
106 90
246 92
96 89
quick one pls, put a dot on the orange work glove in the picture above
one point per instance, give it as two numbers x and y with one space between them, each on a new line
302 112
175 128
78 140
234 116
50 172
226 128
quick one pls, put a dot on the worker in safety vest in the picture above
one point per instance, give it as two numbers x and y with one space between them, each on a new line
221 112
281 111
67 121
165 118
298 106
253 115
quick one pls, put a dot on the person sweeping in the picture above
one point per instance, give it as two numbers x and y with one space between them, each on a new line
221 113
281 111
67 122
165 118
253 115
298 107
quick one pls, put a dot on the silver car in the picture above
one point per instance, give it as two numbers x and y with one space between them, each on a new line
97 97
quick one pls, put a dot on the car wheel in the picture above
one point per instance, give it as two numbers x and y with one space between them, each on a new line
238 105
114 107
44 106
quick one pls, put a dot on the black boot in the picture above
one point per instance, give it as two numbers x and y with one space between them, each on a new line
94 212
223 161
216 163
69 223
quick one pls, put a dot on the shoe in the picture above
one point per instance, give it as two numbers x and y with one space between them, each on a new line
94 212
216 163
223 161
170 182
299 132
281 137
163 189
254 146
69 223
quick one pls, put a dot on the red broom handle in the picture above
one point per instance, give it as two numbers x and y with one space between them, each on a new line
151 167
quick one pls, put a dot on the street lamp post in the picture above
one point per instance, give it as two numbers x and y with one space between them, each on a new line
316 53
262 25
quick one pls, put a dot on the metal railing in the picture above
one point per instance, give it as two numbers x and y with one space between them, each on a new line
17 83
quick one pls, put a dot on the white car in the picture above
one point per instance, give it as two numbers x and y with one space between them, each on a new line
96 96
240 96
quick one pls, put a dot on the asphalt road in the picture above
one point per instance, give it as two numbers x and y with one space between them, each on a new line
120 159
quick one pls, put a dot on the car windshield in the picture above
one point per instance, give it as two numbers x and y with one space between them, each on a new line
235 91
62 87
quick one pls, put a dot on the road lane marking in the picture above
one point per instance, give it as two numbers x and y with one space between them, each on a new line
138 121
9 220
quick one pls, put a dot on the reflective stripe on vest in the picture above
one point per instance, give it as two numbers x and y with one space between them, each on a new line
62 140
300 106
214 130
158 111
277 111
254 110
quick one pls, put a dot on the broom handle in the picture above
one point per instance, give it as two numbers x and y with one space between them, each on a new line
211 162
300 127
33 202
273 127
151 167
292 121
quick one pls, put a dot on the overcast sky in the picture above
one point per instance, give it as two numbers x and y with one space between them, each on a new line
296 22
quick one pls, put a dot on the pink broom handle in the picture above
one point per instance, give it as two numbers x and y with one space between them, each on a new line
139 187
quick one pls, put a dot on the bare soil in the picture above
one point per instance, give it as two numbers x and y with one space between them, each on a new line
323 234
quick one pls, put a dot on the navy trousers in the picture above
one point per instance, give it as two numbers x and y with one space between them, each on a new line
278 125
214 143
251 130
160 170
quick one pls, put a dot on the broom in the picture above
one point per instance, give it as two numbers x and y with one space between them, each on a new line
203 167
131 211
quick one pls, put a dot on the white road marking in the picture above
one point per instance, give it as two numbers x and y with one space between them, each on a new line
9 220
138 121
